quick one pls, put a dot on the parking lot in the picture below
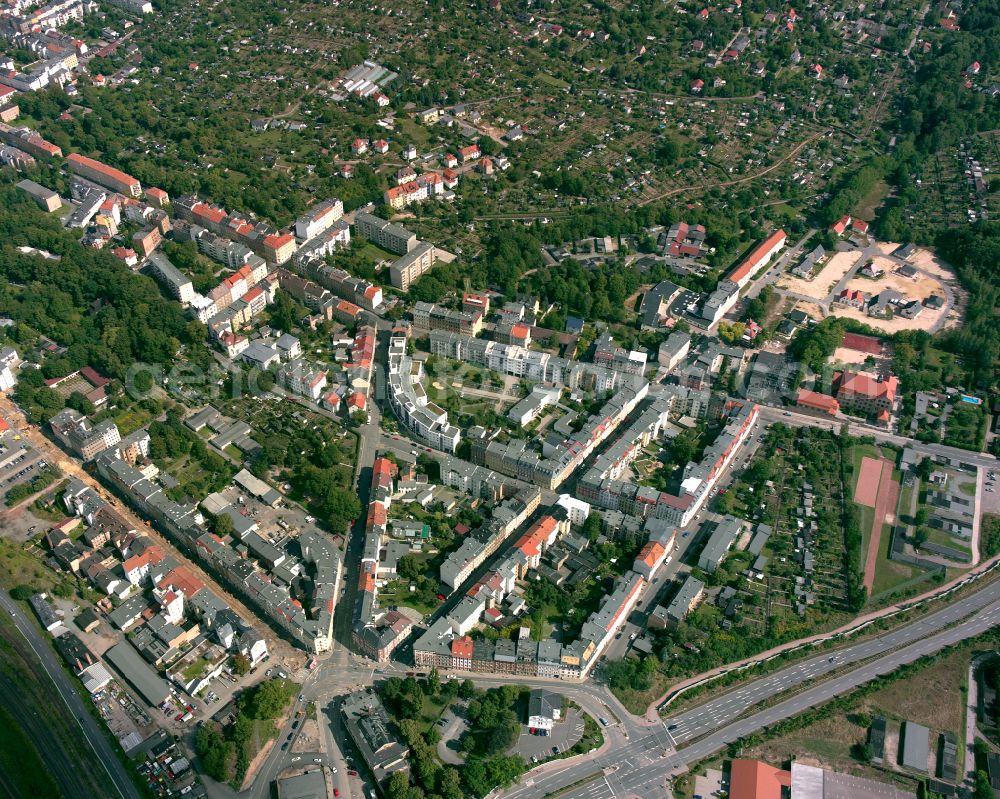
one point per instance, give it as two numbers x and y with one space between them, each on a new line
564 736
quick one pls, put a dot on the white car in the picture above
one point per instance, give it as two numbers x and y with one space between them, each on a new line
296 759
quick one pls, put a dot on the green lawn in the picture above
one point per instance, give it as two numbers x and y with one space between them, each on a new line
22 771
941 537
554 82
421 134
375 253
131 419
397 592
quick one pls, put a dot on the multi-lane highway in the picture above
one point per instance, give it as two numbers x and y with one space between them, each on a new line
641 767
89 729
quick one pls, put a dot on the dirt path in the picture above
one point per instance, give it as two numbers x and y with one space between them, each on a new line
746 179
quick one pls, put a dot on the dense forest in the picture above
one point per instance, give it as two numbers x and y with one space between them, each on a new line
85 300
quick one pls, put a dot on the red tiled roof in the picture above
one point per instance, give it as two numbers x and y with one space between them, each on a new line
863 385
462 647
104 169
652 553
91 376
357 400
817 401
277 240
751 779
253 294
531 542
752 261
206 211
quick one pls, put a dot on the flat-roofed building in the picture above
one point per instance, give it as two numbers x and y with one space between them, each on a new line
46 198
151 687
387 235
409 267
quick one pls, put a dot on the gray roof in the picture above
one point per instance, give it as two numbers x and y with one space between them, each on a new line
139 675
544 703
678 607
128 610
719 543
915 746
311 785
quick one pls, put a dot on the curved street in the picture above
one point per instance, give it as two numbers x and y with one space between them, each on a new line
642 767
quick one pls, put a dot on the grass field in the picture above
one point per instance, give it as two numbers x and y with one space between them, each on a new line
890 576
131 419
22 772
17 567
933 696
867 206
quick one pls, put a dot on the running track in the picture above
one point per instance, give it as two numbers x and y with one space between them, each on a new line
888 495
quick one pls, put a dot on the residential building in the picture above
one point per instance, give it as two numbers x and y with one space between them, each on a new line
529 409
674 350
387 235
759 257
409 267
409 401
650 558
177 283
104 175
691 592
374 736
278 248
145 241
74 430
427 316
29 141
318 219
720 542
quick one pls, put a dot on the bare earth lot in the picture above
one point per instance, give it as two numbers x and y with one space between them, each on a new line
821 285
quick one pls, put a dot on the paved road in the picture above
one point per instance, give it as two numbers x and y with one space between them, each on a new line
795 418
642 767
89 727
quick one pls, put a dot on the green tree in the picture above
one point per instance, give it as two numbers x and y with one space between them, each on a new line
222 525
983 789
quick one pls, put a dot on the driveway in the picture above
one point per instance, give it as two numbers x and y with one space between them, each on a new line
451 734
